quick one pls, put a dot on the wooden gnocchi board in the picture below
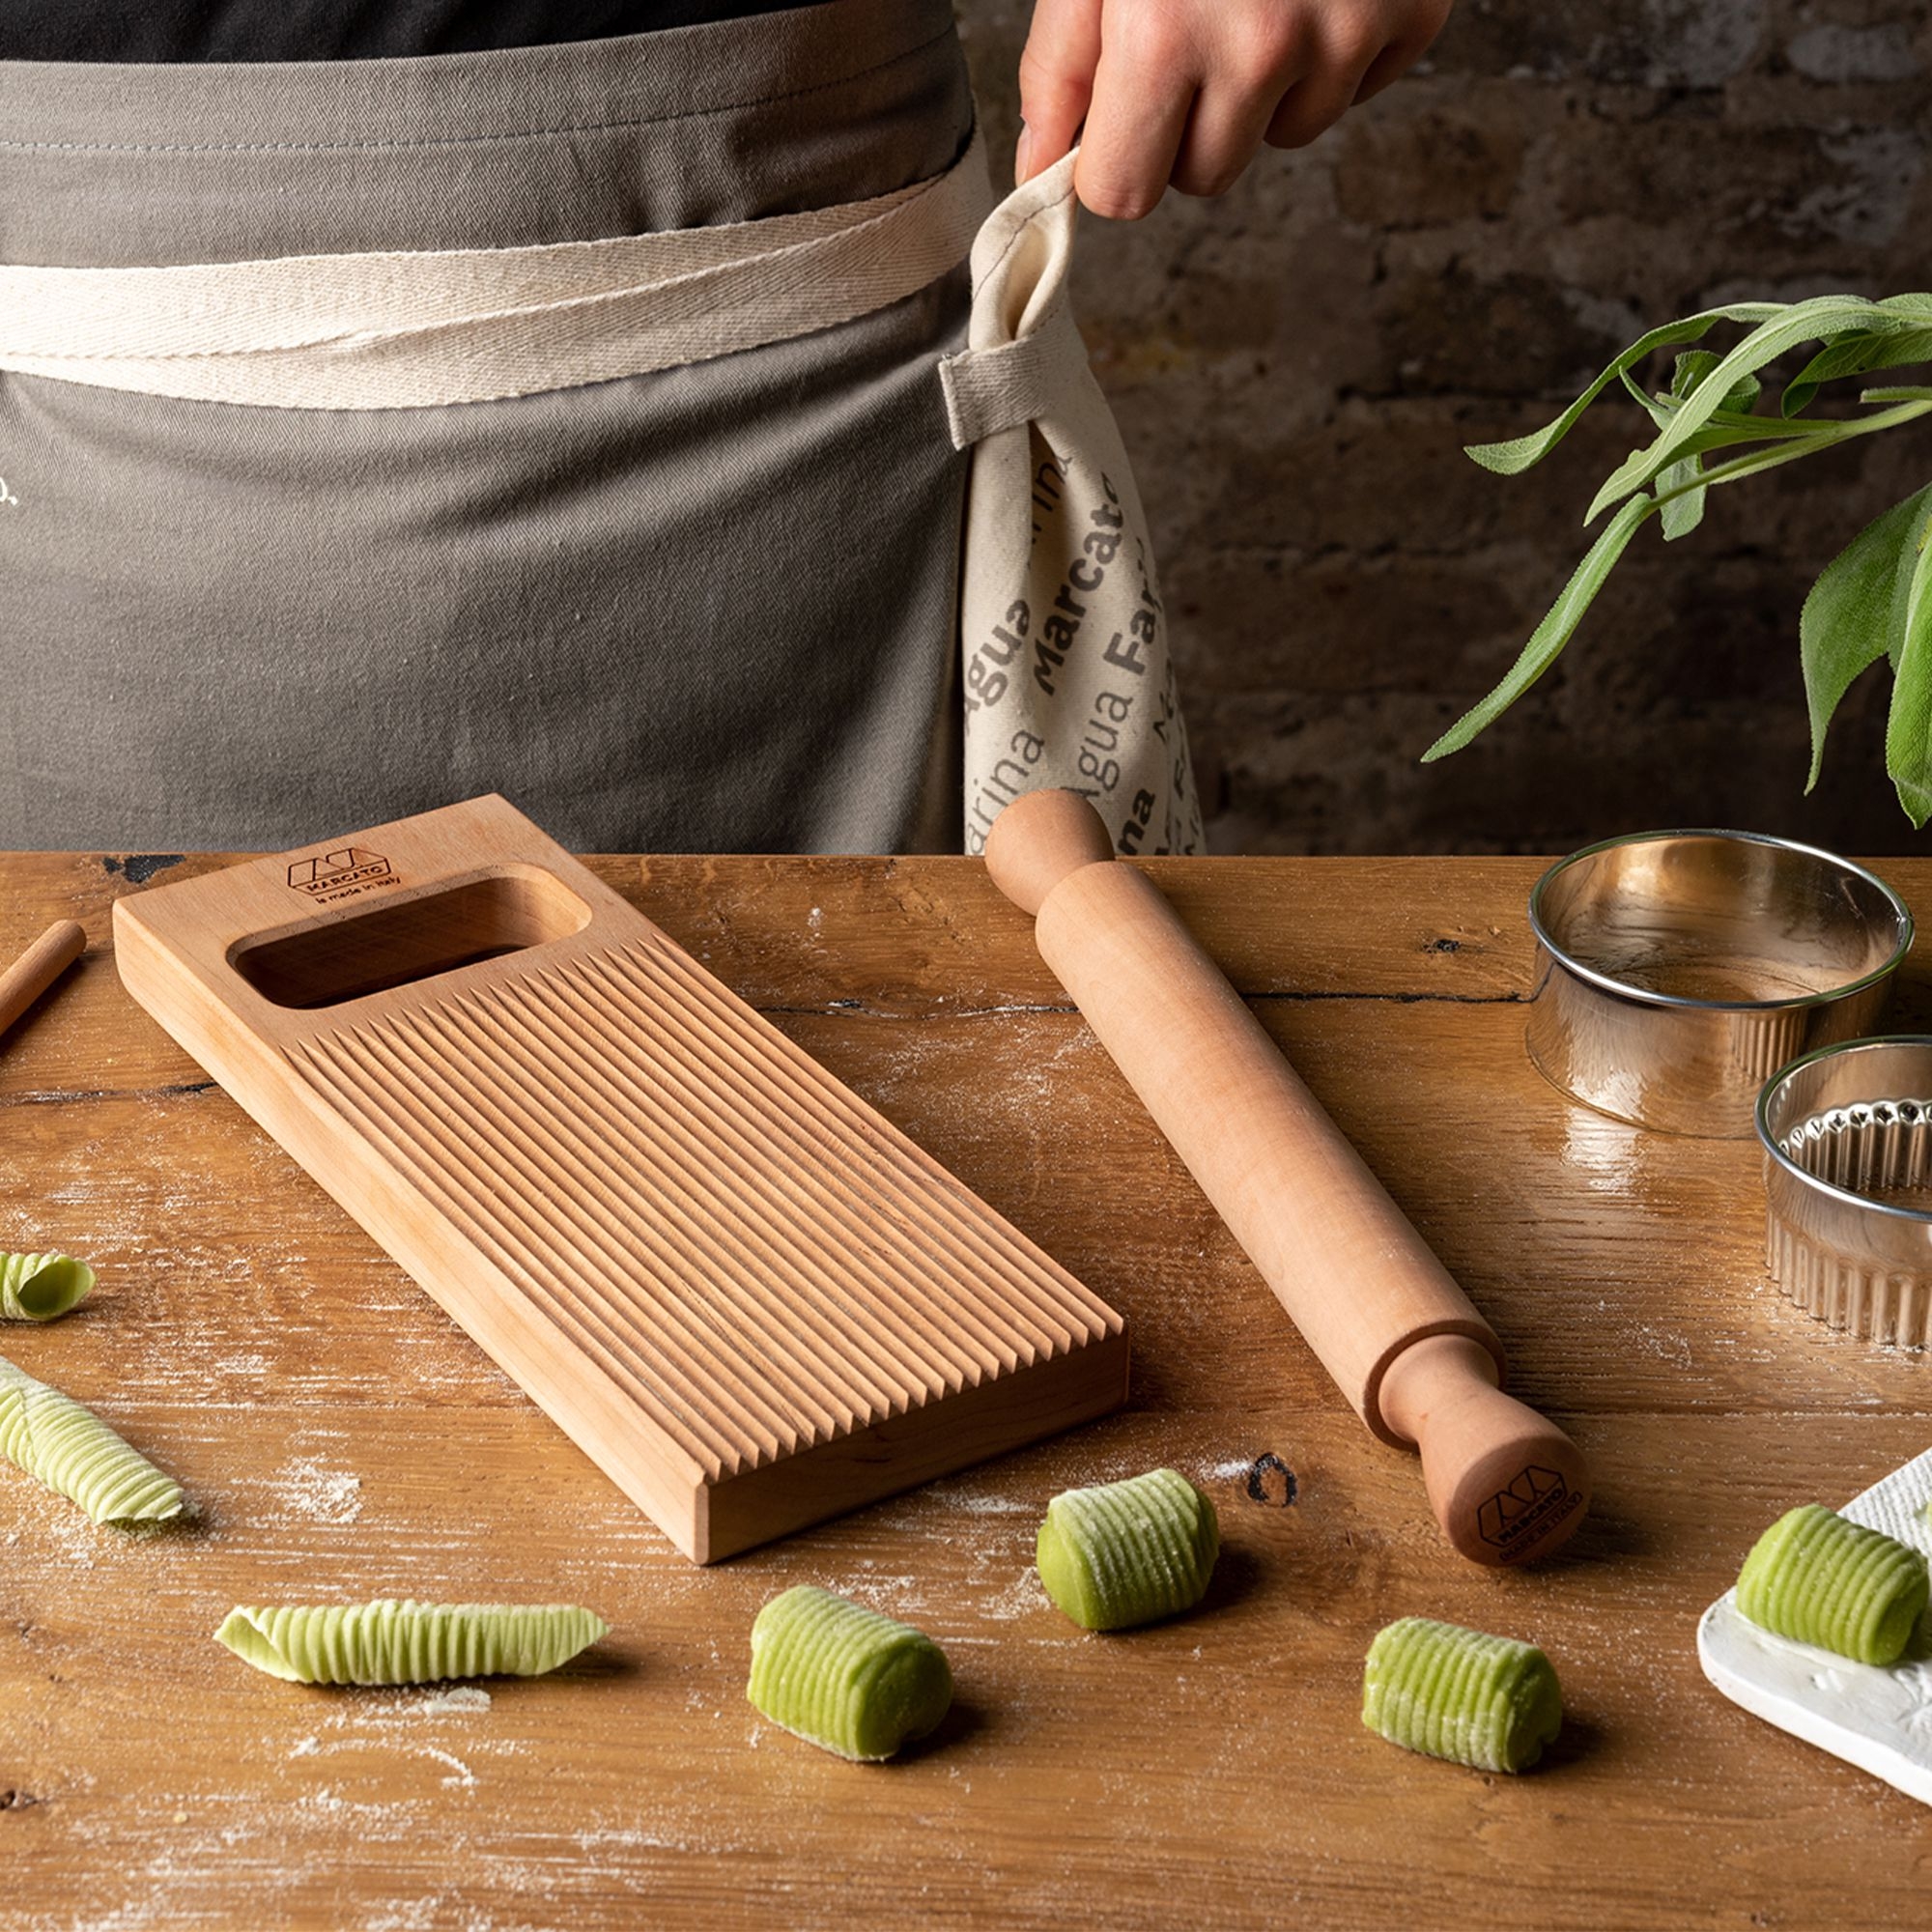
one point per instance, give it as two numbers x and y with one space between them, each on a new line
751 1299
1879 1719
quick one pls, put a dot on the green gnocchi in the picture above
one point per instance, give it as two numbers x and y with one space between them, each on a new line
1490 1702
1817 1577
394 1641
844 1677
67 1447
1125 1553
38 1287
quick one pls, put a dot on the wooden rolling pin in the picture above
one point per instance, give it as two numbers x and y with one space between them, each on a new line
1404 1345
37 968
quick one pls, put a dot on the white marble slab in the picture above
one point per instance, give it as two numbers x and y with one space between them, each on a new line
1880 1721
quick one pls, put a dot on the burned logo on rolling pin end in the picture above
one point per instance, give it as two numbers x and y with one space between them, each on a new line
340 874
1533 1502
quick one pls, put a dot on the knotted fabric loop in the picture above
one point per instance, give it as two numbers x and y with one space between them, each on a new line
1014 383
413 330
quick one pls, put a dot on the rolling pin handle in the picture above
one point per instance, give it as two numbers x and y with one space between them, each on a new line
1040 840
1505 1483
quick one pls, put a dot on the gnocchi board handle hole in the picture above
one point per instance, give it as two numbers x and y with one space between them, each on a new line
400 944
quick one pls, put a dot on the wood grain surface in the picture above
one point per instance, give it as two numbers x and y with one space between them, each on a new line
342 1439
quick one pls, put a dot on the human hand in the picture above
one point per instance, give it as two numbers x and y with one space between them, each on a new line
1183 92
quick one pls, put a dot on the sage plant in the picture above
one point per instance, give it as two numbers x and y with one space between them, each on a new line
1873 601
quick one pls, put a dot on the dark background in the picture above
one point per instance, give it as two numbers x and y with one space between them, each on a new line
1296 367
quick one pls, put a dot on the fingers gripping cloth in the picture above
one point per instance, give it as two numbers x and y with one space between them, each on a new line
1063 636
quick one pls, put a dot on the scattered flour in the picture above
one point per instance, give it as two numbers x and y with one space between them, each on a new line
61 1525
893 1595
465 1779
457 1697
404 1704
1024 1595
322 1494
630 1838
986 1503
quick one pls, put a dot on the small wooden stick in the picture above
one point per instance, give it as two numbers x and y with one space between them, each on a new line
1418 1364
37 968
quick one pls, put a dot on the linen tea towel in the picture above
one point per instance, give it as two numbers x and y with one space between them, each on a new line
1064 638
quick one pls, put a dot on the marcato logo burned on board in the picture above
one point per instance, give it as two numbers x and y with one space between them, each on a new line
337 874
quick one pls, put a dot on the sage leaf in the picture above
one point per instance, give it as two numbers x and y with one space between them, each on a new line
1683 506
1553 633
1856 355
1683 512
1908 729
1742 396
1692 367
1724 431
1822 435
1855 612
1511 458
1800 322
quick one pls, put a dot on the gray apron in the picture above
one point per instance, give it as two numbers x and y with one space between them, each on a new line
709 608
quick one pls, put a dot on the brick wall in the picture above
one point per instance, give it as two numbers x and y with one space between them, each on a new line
1297 367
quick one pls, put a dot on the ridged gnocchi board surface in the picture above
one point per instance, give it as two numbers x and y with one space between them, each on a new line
1879 1719
751 1299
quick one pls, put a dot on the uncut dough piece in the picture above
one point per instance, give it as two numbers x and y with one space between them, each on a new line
1818 1578
38 1287
64 1445
1125 1553
844 1677
393 1641
1488 1702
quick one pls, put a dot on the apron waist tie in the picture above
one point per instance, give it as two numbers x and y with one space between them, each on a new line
413 330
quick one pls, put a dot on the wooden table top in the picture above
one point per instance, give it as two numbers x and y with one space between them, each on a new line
343 1440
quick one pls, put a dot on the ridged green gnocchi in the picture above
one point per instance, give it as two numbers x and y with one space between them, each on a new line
37 1287
1446 1691
1819 1578
1125 1553
844 1677
403 1642
69 1448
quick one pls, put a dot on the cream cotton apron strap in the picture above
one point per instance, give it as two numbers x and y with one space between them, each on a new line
1064 638
420 329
